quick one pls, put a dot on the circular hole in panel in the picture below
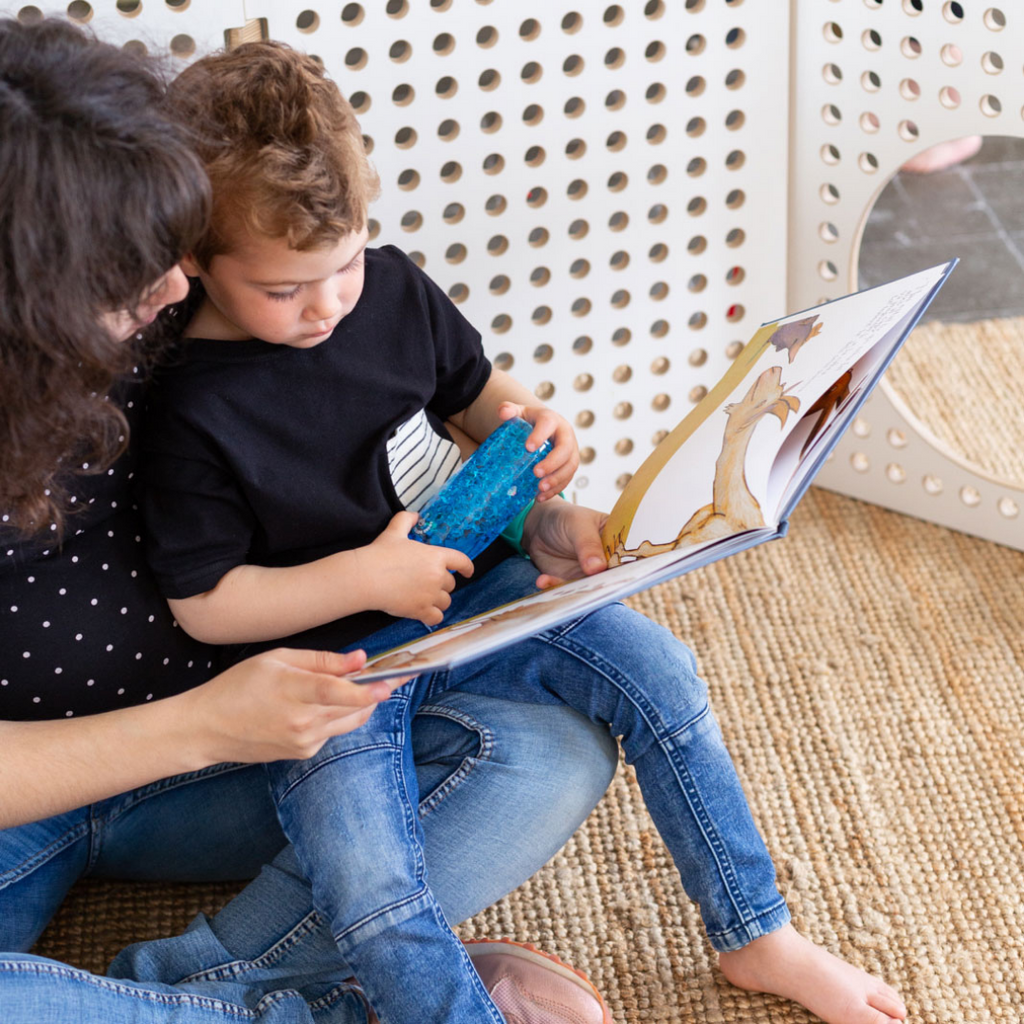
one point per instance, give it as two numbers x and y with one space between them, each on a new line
867 162
494 163
827 270
620 298
617 181
572 65
657 213
583 382
735 238
497 244
440 5
871 81
658 436
990 106
952 56
408 180
910 47
360 102
658 291
698 321
623 447
455 253
621 336
412 220
831 114
615 100
374 231
352 14
970 496
695 127
504 361
698 357
529 29
992 63
80 11
654 51
582 345
401 96
995 20
501 324
487 36
458 293
576 189
489 123
540 316
578 229
735 275
619 260
615 142
623 410
307 21
535 156
909 89
657 174
896 438
735 160
734 120
614 58
495 205
618 221
31 14
368 143
572 22
659 328
655 92
580 307
446 87
182 46
869 122
531 72
451 172
872 39
695 168
695 44
400 51
695 86
694 247
735 38
579 268
830 154
913 7
574 106
660 365
538 237
135 47
575 148
949 97
735 199
489 80
828 231
932 484
1008 508
953 12
696 206
584 419
908 131
735 313
448 130
660 402
540 276
895 473
395 8
498 285
833 33
735 79
654 9
861 427
697 394
536 197
860 462
405 138
453 213
656 134
613 15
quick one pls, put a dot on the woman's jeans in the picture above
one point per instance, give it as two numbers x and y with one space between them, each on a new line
269 955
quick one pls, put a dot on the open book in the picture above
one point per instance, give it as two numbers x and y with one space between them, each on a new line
727 477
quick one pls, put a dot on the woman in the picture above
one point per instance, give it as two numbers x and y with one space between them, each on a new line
120 755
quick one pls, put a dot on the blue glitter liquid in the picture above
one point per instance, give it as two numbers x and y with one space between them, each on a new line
494 485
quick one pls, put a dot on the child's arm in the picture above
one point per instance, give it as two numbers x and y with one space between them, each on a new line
392 574
502 398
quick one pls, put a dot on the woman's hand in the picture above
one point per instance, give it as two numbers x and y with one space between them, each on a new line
557 468
283 704
564 541
408 578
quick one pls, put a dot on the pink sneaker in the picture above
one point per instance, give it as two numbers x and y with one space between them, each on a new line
532 987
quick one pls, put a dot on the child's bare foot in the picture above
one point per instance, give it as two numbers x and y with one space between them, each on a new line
788 965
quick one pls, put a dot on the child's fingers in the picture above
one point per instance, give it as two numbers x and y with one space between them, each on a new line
459 562
509 410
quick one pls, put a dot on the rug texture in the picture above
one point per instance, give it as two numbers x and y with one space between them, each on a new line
868 673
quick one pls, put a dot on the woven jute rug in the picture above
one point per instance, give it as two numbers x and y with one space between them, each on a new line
868 672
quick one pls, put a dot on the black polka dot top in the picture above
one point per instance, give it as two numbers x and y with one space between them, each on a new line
82 627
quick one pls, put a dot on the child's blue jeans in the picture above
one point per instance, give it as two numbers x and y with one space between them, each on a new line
350 810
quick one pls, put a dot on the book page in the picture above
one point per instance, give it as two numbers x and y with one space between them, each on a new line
710 477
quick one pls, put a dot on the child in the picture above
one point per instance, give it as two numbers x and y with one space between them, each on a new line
313 372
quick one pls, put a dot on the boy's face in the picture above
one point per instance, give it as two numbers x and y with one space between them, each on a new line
267 290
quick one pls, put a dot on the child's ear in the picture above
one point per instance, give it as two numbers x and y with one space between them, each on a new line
189 265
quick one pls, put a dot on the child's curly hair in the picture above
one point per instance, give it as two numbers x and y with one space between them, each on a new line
281 145
100 195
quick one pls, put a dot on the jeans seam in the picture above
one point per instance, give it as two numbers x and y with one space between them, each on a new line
485 750
26 867
341 755
777 912
422 894
726 869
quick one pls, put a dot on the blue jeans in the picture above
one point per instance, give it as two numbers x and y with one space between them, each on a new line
350 816
267 956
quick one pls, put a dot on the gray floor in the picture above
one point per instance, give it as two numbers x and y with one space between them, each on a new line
974 210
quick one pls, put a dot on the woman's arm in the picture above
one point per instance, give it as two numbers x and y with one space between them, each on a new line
282 704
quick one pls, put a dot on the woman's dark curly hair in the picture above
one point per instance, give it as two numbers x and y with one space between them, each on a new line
100 195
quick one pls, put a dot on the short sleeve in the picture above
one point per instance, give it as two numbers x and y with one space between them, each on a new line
199 525
461 366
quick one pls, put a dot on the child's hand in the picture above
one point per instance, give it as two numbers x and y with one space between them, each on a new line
557 469
410 579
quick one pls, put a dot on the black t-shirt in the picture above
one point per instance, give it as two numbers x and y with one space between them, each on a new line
269 455
83 628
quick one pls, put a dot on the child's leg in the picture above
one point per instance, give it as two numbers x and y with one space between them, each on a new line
350 812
